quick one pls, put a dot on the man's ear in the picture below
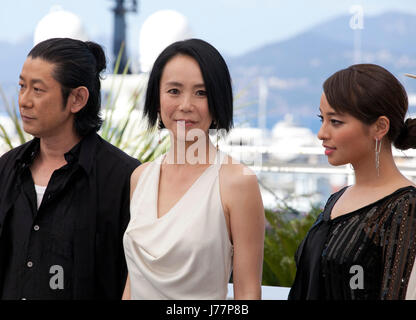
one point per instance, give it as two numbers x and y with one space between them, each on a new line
381 127
78 98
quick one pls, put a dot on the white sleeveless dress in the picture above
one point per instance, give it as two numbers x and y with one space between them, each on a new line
185 254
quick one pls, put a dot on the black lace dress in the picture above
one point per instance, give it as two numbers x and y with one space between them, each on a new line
365 254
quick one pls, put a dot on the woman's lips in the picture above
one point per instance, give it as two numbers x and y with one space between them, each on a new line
185 123
329 151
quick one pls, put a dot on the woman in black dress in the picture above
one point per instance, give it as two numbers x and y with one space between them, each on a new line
363 244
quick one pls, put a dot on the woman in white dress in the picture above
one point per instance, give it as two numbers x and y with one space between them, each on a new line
196 214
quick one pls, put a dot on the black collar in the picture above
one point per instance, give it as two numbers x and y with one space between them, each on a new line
87 152
83 153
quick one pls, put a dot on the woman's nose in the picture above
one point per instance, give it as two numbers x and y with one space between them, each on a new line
186 103
322 133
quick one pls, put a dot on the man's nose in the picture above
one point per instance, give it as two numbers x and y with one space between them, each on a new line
25 99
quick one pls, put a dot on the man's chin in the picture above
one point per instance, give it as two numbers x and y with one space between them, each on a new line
32 132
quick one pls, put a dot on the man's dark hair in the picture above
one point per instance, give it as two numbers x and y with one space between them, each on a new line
76 63
216 77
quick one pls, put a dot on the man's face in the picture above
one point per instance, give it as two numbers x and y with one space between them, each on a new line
40 101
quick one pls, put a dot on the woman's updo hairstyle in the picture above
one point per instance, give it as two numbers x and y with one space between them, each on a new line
368 91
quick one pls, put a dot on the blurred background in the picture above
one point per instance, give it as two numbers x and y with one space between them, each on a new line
279 53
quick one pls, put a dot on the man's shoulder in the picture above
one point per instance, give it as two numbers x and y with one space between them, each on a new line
11 155
116 155
8 162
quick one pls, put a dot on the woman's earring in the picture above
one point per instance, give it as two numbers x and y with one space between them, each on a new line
377 150
158 129
218 137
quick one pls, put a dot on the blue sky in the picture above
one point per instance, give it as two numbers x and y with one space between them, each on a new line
233 26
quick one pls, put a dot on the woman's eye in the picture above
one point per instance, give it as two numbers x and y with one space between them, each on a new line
201 93
173 91
336 122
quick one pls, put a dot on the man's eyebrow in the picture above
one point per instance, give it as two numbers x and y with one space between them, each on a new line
33 81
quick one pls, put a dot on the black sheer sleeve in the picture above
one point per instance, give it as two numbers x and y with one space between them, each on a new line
398 242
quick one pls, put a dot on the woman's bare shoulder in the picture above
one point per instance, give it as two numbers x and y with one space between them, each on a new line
236 174
138 171
240 190
136 175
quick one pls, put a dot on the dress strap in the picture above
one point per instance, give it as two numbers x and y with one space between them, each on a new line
219 159
331 202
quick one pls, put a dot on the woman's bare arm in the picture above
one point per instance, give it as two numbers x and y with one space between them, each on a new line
243 202
126 293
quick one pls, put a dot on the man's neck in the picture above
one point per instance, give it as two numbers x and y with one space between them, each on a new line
53 148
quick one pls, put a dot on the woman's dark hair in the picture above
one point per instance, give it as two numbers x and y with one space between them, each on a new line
214 72
77 63
368 91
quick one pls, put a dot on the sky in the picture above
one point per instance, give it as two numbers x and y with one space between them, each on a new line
233 26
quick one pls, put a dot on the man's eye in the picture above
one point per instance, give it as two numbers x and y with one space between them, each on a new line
320 118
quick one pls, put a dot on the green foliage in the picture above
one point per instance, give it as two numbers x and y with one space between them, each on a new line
12 114
122 133
285 228
283 236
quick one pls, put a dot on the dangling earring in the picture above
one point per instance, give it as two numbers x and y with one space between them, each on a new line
158 128
378 149
216 128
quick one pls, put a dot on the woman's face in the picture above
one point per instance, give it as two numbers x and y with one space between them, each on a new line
345 138
183 97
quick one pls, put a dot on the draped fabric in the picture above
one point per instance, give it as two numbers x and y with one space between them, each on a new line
185 254
365 254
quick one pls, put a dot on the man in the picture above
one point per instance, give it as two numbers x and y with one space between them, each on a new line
64 199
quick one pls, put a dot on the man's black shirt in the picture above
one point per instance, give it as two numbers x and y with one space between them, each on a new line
71 247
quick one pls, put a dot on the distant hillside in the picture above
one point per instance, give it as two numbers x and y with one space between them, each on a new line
12 57
295 69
